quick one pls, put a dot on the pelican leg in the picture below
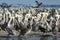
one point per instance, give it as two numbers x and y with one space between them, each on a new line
9 31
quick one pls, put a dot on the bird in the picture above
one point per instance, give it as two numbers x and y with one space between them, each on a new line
38 4
5 5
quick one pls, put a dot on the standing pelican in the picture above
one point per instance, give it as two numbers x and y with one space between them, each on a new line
26 26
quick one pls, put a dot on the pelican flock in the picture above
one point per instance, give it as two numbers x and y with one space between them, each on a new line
25 20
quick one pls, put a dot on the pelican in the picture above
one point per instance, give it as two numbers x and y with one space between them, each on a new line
4 5
38 4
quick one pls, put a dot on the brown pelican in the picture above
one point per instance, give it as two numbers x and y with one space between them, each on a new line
3 24
24 30
54 27
25 26
38 4
4 5
10 26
